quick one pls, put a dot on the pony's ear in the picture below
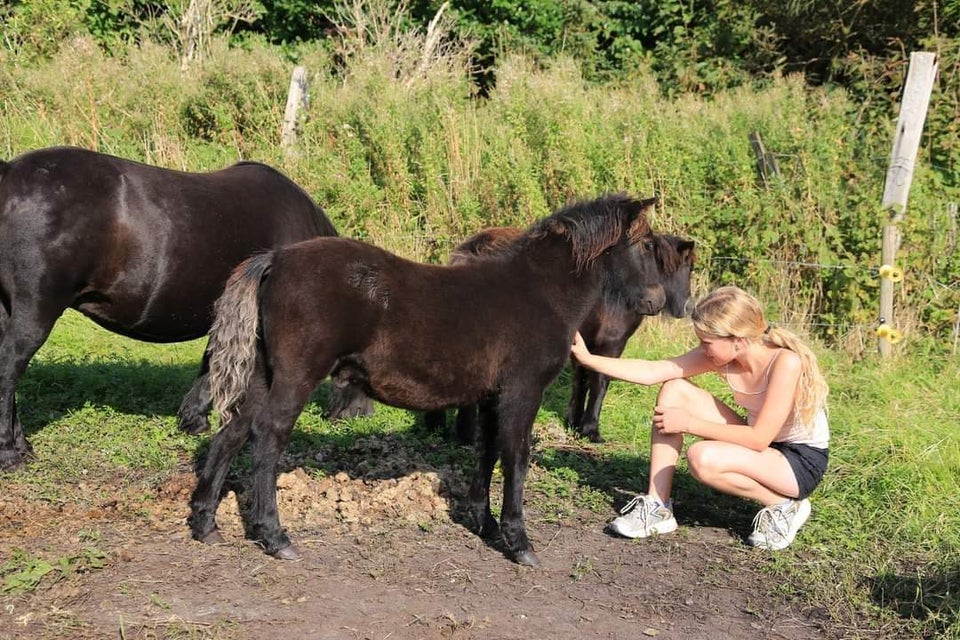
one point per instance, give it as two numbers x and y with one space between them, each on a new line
649 204
640 224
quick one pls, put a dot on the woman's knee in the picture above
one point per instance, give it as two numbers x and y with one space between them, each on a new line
702 459
675 392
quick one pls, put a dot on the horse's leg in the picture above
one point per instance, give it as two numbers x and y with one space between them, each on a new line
435 421
597 384
207 494
487 454
610 342
269 435
578 392
192 417
515 415
466 427
21 334
223 449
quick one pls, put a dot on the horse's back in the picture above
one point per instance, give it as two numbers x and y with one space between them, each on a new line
143 250
403 320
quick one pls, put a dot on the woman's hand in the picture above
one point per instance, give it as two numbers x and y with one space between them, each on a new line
671 419
579 349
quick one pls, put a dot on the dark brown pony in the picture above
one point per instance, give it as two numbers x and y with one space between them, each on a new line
142 251
658 275
425 337
611 323
350 400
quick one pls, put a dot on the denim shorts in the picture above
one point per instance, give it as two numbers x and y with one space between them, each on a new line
808 464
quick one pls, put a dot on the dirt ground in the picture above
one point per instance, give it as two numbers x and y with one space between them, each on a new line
385 555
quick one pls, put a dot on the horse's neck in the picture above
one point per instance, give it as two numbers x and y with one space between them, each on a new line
551 270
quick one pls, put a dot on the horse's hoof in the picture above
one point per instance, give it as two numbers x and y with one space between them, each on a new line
213 537
489 529
527 558
594 436
289 552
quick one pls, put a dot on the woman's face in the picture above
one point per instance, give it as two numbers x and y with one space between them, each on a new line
720 351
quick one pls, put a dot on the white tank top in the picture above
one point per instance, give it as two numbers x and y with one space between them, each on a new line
792 430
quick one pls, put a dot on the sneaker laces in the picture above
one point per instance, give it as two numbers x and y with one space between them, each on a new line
772 520
630 505
641 508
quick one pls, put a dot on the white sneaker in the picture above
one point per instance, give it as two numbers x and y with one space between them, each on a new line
644 516
775 527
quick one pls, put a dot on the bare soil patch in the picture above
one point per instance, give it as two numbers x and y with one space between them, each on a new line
386 554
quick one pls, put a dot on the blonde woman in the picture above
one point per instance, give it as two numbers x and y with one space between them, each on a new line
773 450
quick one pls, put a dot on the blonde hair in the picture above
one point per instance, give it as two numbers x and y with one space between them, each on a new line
731 312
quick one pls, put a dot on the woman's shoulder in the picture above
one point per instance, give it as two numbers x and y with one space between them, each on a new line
787 361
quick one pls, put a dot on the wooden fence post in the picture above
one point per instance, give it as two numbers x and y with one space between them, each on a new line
913 111
297 97
195 28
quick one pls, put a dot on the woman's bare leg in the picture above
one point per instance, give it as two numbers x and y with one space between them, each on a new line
665 448
764 476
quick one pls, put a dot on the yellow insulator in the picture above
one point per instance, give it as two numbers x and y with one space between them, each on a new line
894 336
894 274
883 331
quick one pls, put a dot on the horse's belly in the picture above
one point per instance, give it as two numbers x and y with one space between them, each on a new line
424 393
159 326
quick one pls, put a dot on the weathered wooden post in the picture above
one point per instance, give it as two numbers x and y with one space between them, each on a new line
297 97
194 27
913 111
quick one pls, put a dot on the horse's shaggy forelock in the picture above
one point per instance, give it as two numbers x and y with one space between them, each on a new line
593 226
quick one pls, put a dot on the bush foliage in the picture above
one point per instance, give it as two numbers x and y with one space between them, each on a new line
403 148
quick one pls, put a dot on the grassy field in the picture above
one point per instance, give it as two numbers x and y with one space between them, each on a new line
882 551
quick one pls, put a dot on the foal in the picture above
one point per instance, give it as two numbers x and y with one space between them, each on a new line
492 332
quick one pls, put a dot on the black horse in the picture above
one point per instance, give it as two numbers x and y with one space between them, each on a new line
611 323
142 251
492 332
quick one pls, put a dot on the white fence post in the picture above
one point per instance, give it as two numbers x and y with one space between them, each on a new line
913 111
297 97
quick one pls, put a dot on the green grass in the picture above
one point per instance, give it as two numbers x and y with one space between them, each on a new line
882 550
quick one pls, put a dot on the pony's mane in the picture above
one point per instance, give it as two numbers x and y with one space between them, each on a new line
494 242
593 226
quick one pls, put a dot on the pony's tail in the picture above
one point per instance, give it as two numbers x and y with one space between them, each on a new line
233 337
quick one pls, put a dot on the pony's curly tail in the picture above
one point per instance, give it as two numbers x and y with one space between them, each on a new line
233 337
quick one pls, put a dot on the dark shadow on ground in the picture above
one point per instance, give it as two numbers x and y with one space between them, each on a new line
50 390
920 595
